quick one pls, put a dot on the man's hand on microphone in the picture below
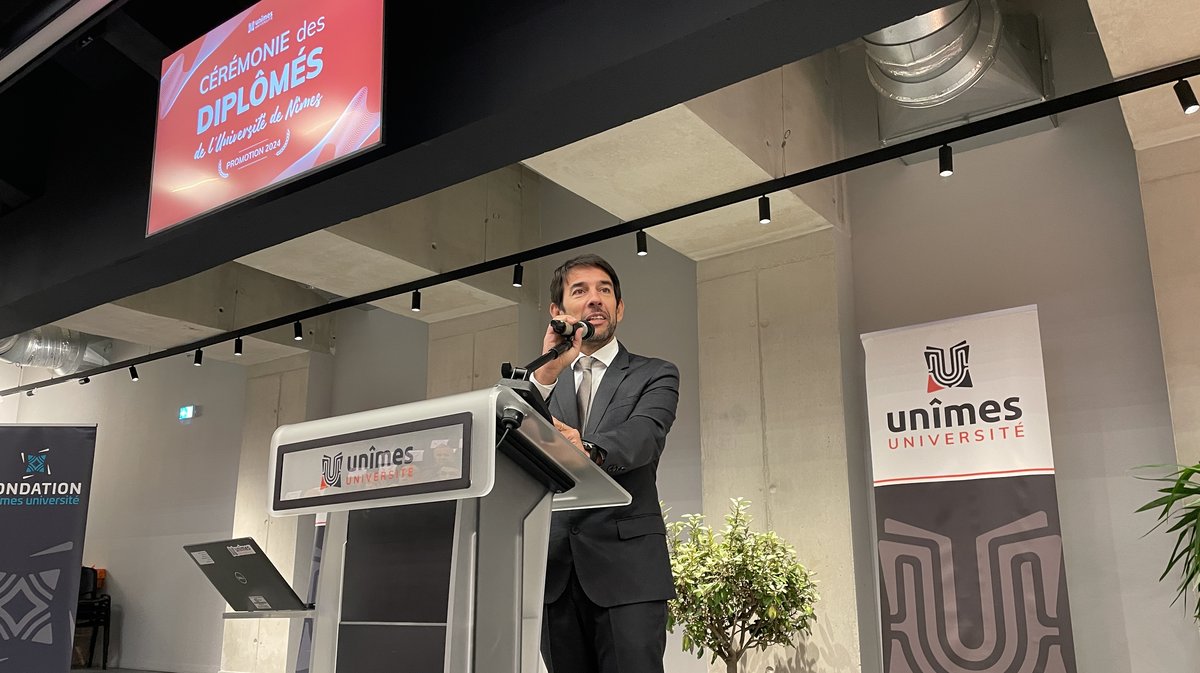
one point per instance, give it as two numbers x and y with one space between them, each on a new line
570 433
549 372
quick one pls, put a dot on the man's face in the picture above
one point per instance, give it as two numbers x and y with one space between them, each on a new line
588 295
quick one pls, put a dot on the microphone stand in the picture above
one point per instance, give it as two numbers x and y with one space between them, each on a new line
517 378
508 371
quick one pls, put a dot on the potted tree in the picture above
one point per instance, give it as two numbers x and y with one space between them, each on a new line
738 590
1178 507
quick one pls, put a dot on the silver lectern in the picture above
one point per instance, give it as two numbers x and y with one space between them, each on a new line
435 547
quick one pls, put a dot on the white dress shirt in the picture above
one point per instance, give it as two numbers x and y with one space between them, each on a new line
604 358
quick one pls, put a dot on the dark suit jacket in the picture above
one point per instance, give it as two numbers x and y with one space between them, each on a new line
619 553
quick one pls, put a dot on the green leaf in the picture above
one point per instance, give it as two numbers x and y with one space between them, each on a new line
1179 513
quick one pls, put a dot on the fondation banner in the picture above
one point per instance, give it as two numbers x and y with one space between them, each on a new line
45 477
969 543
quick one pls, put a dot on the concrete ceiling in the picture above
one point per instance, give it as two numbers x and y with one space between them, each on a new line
347 268
490 216
1139 36
160 332
725 140
210 303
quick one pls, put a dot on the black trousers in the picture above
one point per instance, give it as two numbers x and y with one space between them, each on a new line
579 636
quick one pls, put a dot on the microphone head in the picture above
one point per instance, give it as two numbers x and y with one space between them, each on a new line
561 327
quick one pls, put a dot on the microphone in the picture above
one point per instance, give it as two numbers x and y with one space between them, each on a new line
568 330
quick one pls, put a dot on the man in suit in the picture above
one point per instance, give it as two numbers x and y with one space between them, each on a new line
608 578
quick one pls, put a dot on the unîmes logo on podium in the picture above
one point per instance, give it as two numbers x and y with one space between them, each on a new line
948 370
331 471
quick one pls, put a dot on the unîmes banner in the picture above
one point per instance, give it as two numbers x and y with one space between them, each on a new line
969 543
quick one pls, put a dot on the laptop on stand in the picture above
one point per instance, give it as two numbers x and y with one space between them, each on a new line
244 576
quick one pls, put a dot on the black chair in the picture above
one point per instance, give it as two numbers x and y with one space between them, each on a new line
94 611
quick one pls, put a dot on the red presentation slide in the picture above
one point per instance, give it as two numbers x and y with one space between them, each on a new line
279 90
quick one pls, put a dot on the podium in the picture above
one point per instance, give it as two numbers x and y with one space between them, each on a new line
434 554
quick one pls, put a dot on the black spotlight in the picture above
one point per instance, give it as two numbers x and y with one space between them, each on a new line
84 381
945 161
133 372
641 243
237 347
198 358
518 275
297 331
1187 97
28 393
416 301
764 210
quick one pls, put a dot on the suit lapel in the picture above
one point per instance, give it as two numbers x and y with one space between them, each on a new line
613 377
563 402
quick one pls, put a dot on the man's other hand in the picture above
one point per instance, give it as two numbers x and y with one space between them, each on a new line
570 433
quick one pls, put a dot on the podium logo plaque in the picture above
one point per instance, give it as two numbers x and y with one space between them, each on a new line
419 457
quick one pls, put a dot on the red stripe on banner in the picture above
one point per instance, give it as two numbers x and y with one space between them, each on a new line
933 477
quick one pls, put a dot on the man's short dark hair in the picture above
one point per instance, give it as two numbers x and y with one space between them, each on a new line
588 260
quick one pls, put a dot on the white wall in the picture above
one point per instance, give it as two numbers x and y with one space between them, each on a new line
1055 220
157 485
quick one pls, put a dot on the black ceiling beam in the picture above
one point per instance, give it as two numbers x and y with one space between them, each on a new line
1074 101
136 43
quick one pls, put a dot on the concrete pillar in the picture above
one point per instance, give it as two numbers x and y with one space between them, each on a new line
465 353
289 390
774 421
1170 180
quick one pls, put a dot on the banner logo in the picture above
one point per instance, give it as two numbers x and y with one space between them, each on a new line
331 471
948 372
1001 613
36 463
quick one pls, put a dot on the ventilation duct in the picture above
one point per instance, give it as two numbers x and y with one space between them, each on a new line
965 61
49 347
928 60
